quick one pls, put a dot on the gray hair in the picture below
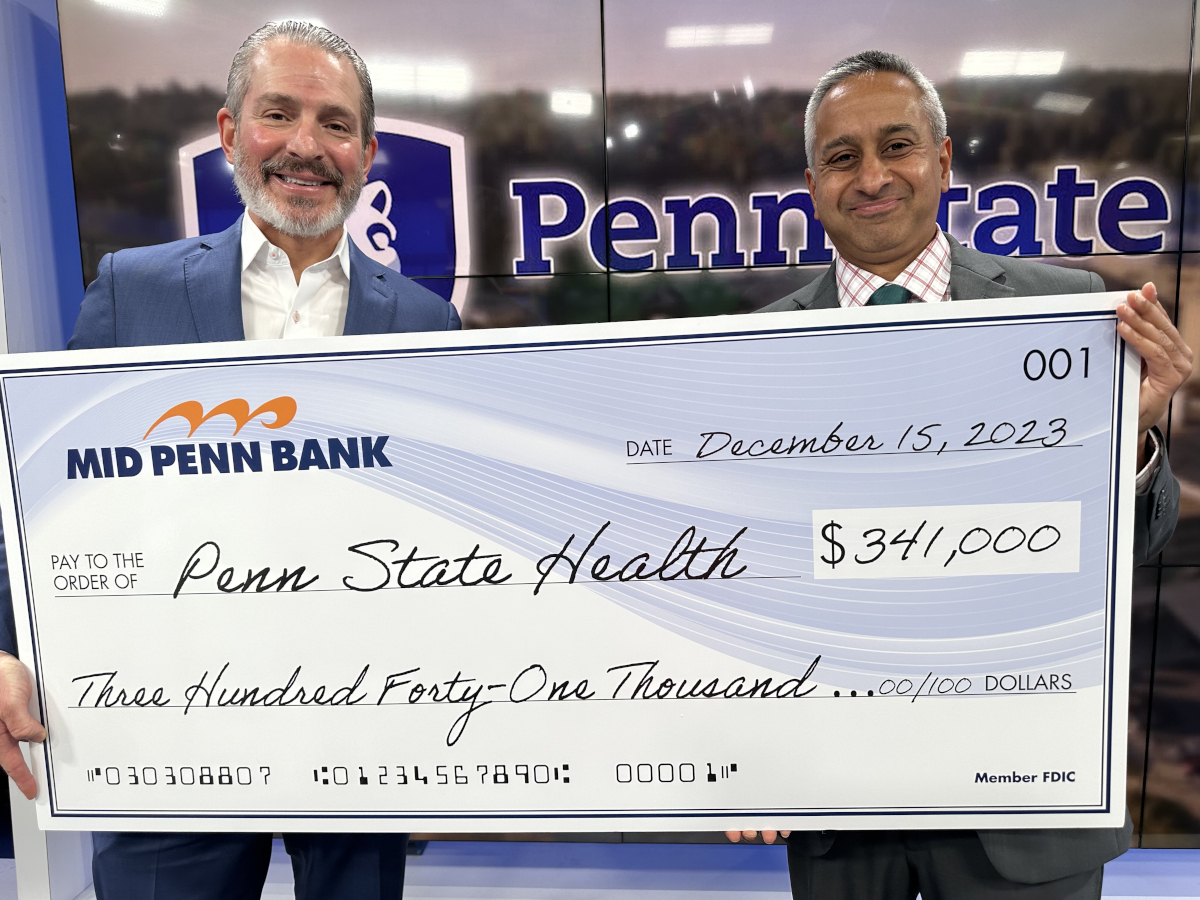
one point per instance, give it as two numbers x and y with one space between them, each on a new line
304 34
868 63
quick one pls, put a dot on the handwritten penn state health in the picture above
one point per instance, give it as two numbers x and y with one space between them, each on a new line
648 575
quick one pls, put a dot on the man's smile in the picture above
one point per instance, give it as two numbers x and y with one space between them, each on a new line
306 181
299 186
877 207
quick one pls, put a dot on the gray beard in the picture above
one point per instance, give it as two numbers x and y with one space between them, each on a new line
295 219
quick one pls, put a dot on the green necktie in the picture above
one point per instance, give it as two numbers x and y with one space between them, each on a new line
889 294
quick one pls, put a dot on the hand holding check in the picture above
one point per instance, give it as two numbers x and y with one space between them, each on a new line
1166 359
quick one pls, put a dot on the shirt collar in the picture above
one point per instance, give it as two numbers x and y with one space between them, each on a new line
927 276
254 243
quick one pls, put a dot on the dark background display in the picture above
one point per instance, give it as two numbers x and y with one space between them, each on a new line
625 98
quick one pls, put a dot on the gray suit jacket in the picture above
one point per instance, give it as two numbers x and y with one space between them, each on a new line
1031 856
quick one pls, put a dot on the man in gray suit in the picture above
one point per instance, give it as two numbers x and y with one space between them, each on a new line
879 160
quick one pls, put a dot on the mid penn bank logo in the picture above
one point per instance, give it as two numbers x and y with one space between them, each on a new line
225 457
411 217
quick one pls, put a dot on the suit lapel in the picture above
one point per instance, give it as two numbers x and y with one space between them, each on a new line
212 277
372 305
975 275
826 296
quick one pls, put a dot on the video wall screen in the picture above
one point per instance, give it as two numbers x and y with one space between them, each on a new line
512 133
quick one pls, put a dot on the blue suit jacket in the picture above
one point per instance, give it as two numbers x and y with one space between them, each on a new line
190 291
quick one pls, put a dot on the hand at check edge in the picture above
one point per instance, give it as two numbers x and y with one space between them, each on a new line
1166 358
768 836
15 722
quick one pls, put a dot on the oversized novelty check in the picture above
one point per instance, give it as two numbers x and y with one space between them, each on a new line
864 568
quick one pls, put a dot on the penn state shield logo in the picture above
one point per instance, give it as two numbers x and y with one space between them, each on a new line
411 217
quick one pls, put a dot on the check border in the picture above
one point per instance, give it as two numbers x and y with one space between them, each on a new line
1104 806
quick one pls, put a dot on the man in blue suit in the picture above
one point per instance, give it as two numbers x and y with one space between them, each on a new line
298 128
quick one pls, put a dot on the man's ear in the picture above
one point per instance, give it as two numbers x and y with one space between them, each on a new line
369 156
811 181
227 128
945 155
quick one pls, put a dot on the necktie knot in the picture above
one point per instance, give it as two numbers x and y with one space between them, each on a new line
890 294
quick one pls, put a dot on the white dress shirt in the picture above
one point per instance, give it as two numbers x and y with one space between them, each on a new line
275 306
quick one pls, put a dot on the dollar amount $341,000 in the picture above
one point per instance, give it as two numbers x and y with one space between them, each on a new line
933 541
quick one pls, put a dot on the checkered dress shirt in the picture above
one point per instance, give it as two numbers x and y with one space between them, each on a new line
927 276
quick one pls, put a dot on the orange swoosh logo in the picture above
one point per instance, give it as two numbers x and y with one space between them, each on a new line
282 408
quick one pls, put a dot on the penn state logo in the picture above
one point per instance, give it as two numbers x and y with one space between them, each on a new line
411 217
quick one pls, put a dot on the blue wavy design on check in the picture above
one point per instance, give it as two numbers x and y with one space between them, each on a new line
519 447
